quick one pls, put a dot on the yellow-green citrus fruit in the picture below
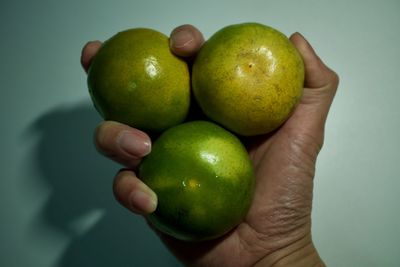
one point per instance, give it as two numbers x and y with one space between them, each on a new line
135 79
203 178
248 77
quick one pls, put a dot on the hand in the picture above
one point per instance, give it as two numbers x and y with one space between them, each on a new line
277 229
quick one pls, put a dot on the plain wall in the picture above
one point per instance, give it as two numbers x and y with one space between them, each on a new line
56 202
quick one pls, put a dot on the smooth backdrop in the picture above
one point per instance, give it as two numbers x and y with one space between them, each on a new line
56 202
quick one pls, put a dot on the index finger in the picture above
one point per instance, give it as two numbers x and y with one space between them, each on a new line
186 40
88 51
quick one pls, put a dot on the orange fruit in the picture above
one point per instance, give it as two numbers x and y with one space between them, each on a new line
248 77
135 79
203 178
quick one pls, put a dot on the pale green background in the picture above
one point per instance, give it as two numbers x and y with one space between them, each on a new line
56 202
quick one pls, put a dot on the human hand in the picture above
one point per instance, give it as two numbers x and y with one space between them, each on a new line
277 228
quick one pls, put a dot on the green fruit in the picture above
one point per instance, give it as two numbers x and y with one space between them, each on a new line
135 79
248 77
203 178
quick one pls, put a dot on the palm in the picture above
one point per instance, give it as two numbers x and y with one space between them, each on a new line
280 212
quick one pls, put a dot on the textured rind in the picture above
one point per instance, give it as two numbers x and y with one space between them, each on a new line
248 77
136 80
203 178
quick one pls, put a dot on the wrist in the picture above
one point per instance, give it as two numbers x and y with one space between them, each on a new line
302 253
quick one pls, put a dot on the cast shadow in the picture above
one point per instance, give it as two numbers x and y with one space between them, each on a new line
81 204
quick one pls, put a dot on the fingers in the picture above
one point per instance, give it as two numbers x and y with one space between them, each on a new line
132 193
122 143
186 40
88 51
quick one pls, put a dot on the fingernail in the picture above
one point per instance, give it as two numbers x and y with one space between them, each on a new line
143 201
181 38
298 33
133 144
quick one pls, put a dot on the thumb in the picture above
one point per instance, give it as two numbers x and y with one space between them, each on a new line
317 73
320 86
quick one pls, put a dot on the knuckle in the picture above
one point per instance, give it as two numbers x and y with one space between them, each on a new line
100 137
305 149
124 183
334 79
104 136
120 176
117 181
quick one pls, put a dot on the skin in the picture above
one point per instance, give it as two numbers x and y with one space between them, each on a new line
205 158
119 92
257 84
277 228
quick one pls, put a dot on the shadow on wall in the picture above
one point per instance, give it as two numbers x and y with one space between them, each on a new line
81 204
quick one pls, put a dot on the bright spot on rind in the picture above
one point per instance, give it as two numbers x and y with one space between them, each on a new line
151 66
239 71
211 158
268 54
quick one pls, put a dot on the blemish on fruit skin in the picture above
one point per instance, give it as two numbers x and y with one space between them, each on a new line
191 183
132 86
